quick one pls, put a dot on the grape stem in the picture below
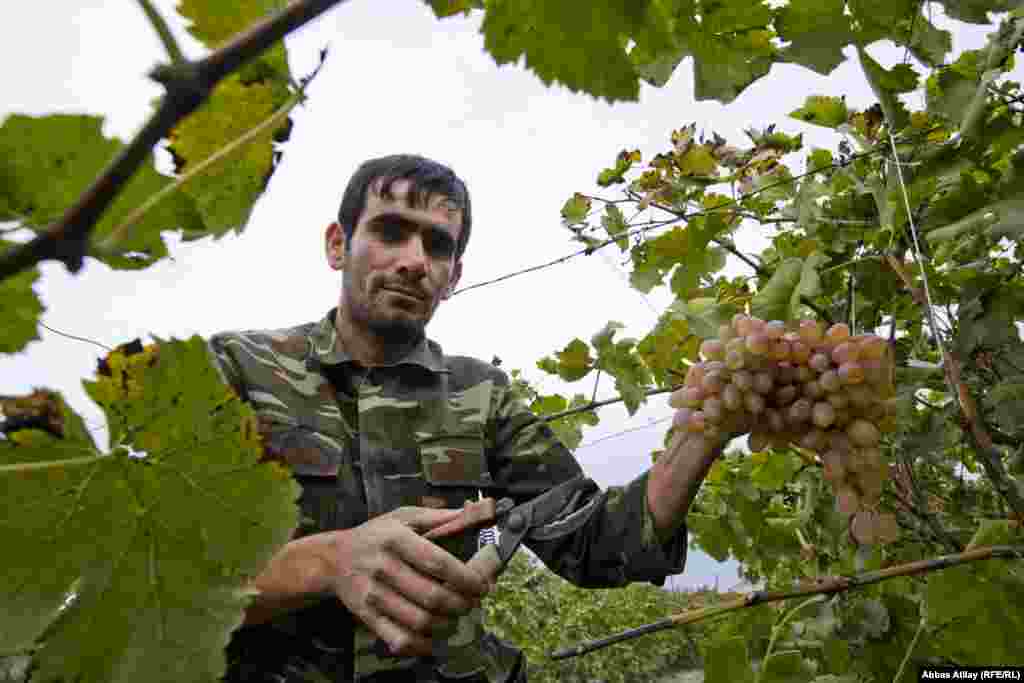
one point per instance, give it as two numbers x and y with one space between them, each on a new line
777 630
48 464
913 644
823 586
974 427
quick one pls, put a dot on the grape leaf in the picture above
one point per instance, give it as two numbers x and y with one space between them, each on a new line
950 90
878 19
977 612
613 176
772 471
704 315
614 223
929 43
621 361
727 661
723 66
47 162
215 23
20 308
448 8
787 666
697 161
887 84
872 618
822 110
561 44
817 31
1006 400
134 562
794 278
1000 219
666 345
575 209
976 11
226 191
995 532
571 363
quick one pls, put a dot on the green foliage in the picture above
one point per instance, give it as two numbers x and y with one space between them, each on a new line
216 23
131 565
781 298
823 111
20 308
47 162
841 249
542 612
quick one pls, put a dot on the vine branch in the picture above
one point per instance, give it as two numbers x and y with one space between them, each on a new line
594 405
188 85
991 458
826 586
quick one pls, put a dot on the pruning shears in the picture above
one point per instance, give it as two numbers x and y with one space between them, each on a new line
551 515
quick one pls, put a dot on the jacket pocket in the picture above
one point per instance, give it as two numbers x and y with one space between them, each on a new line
450 459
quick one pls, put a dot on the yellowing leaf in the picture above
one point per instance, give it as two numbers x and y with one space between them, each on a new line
698 160
822 110
226 191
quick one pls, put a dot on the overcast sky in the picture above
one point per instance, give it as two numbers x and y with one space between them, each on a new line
396 80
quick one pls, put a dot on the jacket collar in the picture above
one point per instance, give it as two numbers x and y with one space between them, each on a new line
326 351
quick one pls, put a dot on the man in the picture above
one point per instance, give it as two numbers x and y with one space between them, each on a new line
388 437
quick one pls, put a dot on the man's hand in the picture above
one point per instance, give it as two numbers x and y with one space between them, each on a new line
401 585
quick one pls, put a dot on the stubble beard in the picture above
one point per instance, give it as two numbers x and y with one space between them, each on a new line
392 332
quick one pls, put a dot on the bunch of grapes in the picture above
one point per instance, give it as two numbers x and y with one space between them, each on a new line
797 384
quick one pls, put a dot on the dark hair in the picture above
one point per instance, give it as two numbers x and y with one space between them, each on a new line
427 176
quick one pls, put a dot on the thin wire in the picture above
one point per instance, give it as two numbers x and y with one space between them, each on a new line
624 431
685 217
917 250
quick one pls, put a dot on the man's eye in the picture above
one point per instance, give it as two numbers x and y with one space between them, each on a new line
390 232
440 245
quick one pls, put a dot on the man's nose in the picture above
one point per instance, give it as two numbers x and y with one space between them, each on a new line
413 257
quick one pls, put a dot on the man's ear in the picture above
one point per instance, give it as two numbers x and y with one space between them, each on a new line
334 246
453 280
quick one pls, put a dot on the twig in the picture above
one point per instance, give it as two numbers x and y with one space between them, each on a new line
163 31
728 246
71 336
991 458
188 85
919 508
829 586
906 657
594 405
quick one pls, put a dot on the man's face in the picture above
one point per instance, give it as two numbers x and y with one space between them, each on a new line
400 263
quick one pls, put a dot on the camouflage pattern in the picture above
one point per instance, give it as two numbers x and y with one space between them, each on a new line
431 430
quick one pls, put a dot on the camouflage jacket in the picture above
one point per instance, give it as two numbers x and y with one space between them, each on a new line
431 430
